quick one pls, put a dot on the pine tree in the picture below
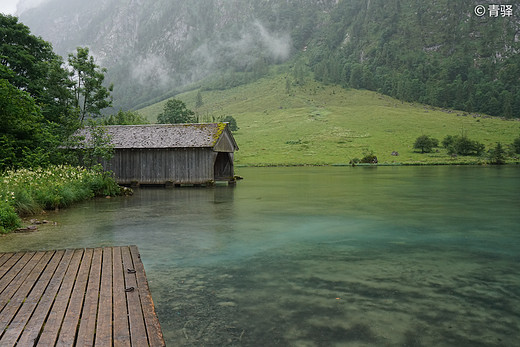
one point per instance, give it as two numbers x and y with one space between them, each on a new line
198 100
497 155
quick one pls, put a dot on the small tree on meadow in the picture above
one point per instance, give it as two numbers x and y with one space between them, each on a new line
175 111
425 143
232 123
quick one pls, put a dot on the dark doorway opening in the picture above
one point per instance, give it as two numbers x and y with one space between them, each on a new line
223 167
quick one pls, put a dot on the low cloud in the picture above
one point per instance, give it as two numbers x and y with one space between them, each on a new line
151 69
242 50
278 45
24 5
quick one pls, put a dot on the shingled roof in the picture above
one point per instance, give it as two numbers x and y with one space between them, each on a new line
204 135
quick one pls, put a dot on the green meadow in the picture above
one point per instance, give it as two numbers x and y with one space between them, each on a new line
316 124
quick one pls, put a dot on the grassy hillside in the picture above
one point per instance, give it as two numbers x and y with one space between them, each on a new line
317 124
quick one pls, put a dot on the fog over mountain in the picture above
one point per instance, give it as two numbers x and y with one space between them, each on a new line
25 5
443 52
152 46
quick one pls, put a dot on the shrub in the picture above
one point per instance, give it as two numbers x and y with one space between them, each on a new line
425 143
293 142
516 145
448 141
462 145
9 219
369 158
103 184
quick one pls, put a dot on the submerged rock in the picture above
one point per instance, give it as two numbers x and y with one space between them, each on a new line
125 191
27 229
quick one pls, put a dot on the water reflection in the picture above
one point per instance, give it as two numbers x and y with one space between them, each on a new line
321 256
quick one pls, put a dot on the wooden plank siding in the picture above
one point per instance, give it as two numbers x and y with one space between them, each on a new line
82 297
160 166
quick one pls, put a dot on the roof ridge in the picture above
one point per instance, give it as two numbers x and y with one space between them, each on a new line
160 125
148 136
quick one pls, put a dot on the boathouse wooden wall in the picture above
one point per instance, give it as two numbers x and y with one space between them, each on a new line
169 153
160 166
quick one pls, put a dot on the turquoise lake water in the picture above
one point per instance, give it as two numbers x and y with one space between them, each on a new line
320 256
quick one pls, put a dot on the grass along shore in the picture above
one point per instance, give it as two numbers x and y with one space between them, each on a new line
24 192
317 124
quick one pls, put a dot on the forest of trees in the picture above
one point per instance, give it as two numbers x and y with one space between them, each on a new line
42 102
439 54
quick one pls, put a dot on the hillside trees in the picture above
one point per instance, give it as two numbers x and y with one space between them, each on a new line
124 118
467 63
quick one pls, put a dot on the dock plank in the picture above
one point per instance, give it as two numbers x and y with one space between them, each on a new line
4 258
82 297
104 321
138 335
87 325
121 327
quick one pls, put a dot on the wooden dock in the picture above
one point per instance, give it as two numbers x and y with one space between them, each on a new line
79 297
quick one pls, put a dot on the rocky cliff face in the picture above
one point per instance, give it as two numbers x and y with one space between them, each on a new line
161 44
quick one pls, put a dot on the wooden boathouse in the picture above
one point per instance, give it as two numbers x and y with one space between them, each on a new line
171 154
77 297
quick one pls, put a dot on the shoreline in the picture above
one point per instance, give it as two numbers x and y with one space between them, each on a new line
379 164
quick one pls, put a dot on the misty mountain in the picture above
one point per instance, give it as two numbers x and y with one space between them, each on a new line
152 46
437 52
